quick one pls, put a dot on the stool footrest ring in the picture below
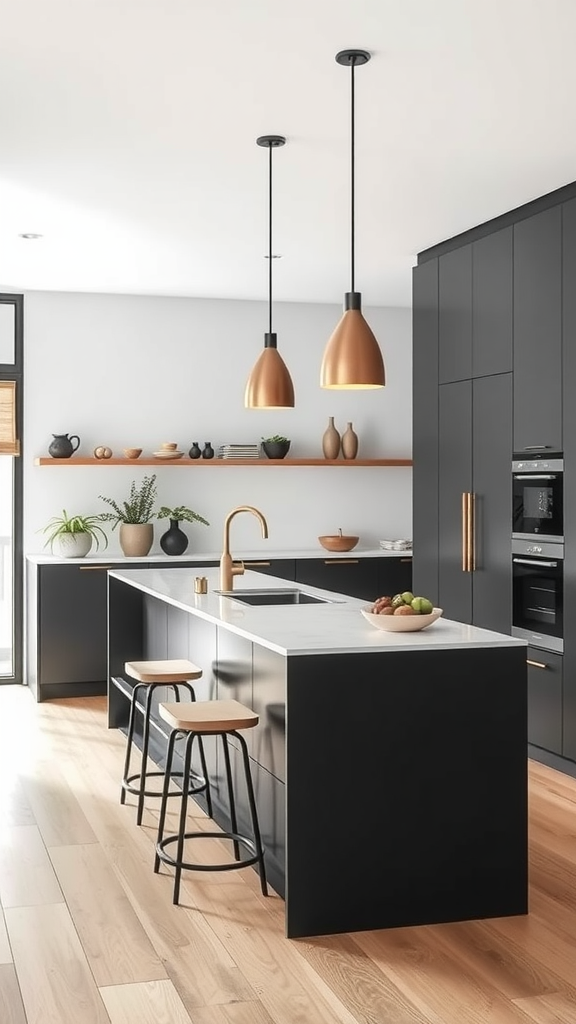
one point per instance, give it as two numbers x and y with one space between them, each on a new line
128 787
233 836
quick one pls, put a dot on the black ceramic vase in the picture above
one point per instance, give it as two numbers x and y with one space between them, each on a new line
207 451
195 452
174 541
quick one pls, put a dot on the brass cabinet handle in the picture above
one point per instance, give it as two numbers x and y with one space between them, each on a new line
95 568
341 561
536 664
472 532
249 565
405 559
465 519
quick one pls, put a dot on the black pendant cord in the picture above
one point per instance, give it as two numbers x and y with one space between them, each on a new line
352 181
270 239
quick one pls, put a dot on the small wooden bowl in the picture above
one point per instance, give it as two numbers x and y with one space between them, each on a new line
132 453
336 542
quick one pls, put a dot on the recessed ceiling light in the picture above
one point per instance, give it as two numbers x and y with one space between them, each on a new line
30 234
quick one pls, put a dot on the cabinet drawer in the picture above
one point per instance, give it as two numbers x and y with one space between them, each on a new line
545 699
356 577
395 576
284 568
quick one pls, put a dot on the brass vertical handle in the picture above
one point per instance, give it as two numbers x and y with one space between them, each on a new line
465 528
472 532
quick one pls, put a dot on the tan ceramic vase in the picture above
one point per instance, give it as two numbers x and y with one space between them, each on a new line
136 538
331 440
349 443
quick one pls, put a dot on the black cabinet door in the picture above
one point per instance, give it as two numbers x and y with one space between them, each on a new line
455 315
492 303
492 487
425 429
545 700
538 331
395 576
356 577
284 568
71 624
455 480
569 416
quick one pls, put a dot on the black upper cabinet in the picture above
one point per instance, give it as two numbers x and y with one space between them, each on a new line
455 315
538 332
492 304
569 413
425 428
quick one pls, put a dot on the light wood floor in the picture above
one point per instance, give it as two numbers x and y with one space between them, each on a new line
88 933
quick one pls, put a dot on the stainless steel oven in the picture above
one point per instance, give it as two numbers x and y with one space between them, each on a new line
538 498
538 594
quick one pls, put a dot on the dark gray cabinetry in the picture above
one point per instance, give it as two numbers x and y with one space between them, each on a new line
538 331
569 416
492 303
545 700
425 429
395 576
356 577
285 568
475 442
455 315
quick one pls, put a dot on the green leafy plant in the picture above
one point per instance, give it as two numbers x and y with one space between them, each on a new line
60 526
137 509
181 512
276 439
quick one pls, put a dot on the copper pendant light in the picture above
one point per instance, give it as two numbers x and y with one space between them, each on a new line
269 384
352 358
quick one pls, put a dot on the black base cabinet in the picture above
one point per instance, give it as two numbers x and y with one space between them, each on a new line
545 700
364 578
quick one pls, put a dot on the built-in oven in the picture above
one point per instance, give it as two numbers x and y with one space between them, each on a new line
538 498
538 594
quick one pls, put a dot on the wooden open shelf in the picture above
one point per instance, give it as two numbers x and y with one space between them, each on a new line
194 463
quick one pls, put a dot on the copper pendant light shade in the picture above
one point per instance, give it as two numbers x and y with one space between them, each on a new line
269 385
352 358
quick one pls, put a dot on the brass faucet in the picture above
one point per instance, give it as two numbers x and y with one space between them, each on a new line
228 568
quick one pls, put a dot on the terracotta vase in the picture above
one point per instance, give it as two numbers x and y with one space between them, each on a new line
349 443
331 440
136 538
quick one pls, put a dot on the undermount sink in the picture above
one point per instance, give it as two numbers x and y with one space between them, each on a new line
276 596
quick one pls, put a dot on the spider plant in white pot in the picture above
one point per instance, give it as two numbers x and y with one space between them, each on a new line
72 536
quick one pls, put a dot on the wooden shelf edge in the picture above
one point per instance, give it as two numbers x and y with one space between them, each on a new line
72 461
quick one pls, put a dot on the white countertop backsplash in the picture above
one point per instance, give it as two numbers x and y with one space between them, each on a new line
334 628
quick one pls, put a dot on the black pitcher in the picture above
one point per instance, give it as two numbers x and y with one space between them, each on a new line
61 447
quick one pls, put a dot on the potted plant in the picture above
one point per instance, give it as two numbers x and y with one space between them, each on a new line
72 536
134 517
175 541
276 447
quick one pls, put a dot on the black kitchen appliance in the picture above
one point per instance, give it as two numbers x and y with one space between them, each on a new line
538 498
538 594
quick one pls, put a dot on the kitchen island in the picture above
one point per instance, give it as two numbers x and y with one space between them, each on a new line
390 769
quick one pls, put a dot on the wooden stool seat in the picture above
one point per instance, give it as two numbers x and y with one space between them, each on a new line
174 670
193 721
208 716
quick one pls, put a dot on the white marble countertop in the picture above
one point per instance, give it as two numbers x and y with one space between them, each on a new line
214 556
333 628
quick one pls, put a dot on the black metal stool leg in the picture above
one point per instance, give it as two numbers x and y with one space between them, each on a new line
254 814
166 786
183 809
131 723
145 741
191 691
233 820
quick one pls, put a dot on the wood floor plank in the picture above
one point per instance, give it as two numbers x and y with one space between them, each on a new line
233 1013
117 948
55 980
58 814
151 1002
556 1008
5 951
11 1005
26 874
14 806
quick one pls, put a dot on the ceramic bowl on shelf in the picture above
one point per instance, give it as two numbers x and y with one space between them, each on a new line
132 453
168 454
400 623
338 542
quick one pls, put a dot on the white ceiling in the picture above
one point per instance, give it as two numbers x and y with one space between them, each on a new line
128 128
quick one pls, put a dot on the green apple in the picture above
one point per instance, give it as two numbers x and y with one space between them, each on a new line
422 606
407 597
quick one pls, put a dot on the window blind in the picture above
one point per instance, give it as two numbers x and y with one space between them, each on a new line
9 445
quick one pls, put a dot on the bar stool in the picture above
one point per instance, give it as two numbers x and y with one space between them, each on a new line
209 718
149 675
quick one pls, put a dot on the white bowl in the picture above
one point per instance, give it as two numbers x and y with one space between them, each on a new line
400 623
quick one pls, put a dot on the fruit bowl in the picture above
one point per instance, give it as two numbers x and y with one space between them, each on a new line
336 542
400 623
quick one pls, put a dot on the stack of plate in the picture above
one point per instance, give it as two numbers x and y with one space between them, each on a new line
168 454
396 545
239 451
